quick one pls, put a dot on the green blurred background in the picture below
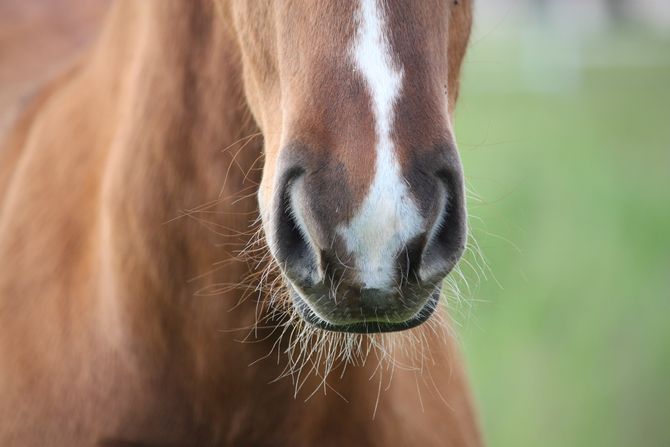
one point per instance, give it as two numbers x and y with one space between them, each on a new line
564 130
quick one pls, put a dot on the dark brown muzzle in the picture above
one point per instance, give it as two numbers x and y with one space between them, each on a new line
373 263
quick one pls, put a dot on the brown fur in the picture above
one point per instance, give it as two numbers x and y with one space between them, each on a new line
106 337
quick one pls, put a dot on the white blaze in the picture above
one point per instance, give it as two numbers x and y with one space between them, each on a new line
388 217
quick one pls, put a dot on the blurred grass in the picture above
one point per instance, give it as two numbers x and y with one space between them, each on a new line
569 345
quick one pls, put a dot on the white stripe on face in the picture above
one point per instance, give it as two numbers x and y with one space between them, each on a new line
388 218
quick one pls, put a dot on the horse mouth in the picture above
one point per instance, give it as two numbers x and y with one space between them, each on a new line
360 319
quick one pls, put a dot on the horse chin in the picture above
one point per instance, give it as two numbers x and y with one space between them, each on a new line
362 325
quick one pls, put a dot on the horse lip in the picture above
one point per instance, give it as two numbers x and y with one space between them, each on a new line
363 326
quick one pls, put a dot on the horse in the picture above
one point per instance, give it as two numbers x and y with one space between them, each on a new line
228 223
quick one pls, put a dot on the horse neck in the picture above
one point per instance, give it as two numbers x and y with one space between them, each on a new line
178 187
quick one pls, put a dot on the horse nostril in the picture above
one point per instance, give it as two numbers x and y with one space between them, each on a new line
409 259
447 239
294 250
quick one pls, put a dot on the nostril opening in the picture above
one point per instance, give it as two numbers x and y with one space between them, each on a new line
294 251
409 259
447 240
451 232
